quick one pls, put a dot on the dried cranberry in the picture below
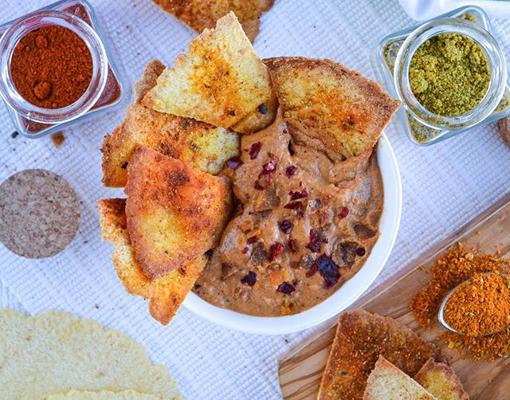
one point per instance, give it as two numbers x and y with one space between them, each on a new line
286 288
296 206
313 269
360 251
293 245
270 167
290 170
328 270
254 150
249 279
298 195
285 226
263 109
344 212
315 242
252 239
275 250
234 162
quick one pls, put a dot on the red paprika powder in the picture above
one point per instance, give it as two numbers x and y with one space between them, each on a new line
51 67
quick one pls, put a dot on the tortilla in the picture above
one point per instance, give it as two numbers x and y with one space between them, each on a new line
103 395
219 81
360 339
165 294
200 145
202 14
56 352
174 213
39 213
331 100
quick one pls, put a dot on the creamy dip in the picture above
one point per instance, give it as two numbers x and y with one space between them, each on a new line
306 221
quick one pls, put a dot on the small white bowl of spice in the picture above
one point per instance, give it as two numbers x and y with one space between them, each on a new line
450 74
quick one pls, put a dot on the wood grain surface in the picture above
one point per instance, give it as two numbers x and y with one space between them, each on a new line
300 371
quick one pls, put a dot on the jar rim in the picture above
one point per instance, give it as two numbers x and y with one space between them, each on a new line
495 58
97 83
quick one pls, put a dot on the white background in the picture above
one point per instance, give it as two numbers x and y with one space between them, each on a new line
444 187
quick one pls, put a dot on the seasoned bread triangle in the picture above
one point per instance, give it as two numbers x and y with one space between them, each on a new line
165 294
387 382
440 380
219 81
201 14
198 144
174 212
360 339
331 100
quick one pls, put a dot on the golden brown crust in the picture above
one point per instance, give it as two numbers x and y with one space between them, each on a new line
166 293
333 100
219 80
440 380
360 339
202 14
201 145
174 213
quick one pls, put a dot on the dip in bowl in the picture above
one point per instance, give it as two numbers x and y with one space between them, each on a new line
348 292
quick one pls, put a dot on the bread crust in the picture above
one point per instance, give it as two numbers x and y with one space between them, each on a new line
333 101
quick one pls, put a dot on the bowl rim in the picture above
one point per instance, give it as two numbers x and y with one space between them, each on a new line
349 292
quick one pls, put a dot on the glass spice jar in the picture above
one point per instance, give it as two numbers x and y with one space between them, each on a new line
392 61
105 89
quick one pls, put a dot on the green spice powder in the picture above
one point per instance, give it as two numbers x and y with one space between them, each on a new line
449 74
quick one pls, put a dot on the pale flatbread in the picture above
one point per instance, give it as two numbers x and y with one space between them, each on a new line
103 395
219 81
56 352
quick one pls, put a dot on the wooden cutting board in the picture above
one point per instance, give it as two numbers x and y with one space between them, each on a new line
300 371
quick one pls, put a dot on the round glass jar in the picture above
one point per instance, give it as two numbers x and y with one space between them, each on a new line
32 112
497 69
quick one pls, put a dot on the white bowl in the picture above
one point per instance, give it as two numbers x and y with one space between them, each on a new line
348 292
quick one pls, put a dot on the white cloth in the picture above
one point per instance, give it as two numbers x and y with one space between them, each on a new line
444 187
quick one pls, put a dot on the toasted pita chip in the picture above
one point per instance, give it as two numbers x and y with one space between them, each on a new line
441 381
259 118
330 99
165 294
219 81
174 212
387 382
360 339
202 14
201 145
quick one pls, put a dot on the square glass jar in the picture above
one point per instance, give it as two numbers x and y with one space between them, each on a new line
104 93
384 59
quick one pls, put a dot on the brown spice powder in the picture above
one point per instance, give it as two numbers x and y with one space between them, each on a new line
481 306
454 267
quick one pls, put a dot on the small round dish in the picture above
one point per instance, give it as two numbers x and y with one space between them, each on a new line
346 294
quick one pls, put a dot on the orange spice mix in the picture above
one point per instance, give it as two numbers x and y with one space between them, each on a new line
454 267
